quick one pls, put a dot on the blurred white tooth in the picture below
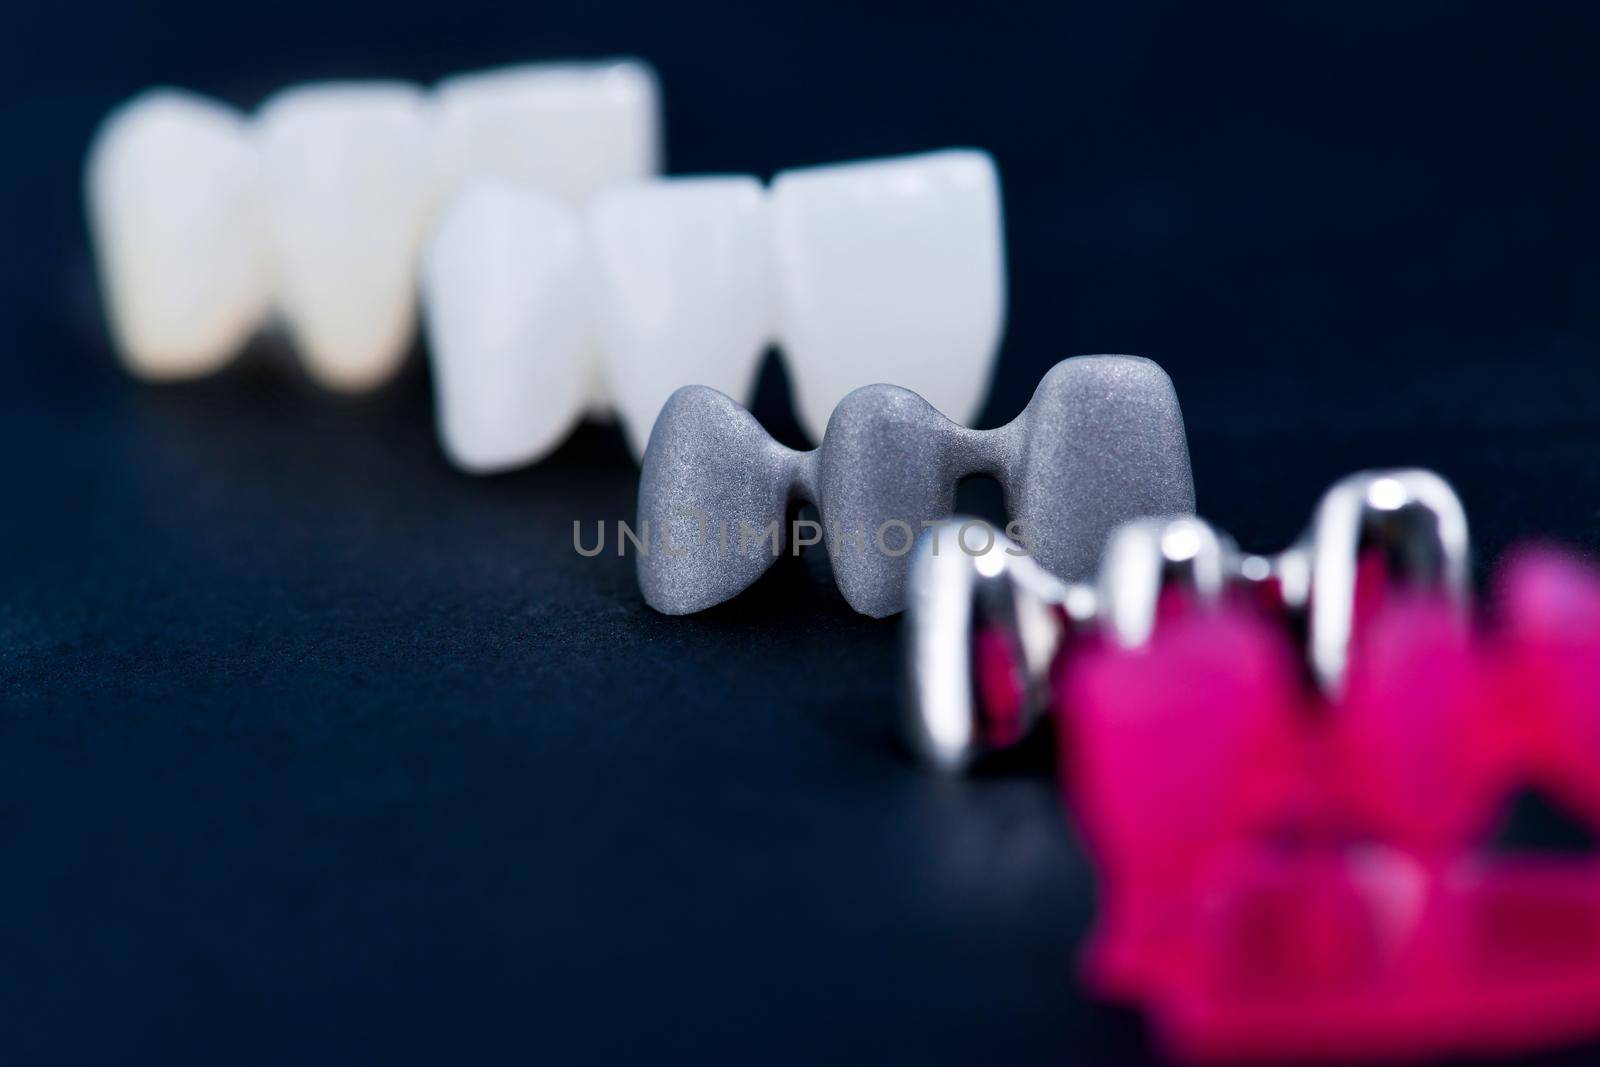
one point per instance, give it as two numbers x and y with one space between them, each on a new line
504 293
685 291
348 187
891 271
173 195
567 129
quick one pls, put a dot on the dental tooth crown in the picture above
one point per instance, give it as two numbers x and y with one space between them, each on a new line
203 219
881 271
542 299
1101 442
566 129
348 191
1373 533
685 290
887 270
503 277
172 186
891 270
1288 771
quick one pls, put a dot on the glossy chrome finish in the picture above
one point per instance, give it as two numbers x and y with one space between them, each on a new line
1291 569
956 591
1145 558
1409 519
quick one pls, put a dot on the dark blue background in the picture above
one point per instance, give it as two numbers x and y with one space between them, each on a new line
312 750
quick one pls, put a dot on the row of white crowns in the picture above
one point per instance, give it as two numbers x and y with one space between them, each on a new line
1410 521
320 201
557 274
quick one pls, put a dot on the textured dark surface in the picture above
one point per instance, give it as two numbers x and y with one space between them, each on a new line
312 750
1100 443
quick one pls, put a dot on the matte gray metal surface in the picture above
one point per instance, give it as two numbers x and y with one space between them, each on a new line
1101 442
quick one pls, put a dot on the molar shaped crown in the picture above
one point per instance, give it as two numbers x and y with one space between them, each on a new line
1101 443
889 465
713 484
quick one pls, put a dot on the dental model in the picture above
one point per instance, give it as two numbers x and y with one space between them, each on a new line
1288 770
348 188
321 205
1407 524
203 219
1101 442
173 188
882 271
